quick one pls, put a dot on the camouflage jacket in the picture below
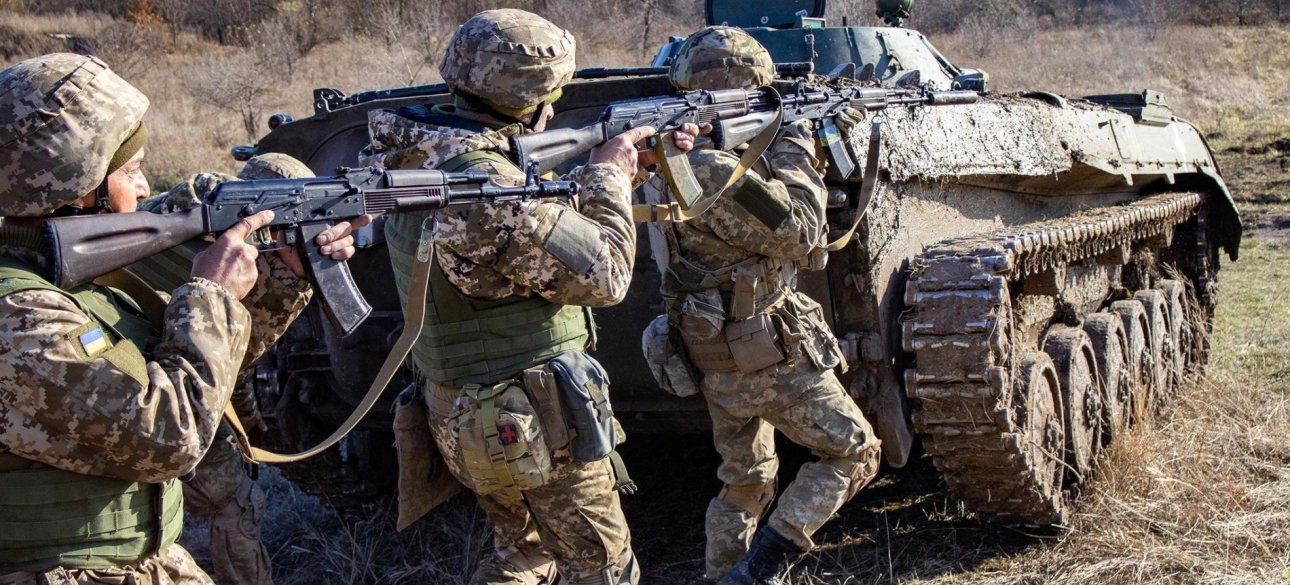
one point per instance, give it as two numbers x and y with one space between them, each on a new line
781 218
87 415
500 250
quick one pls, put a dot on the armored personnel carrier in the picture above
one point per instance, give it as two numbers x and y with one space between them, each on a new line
1033 274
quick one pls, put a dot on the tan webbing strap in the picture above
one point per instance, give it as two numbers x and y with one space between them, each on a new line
867 187
487 417
680 176
623 482
414 318
152 304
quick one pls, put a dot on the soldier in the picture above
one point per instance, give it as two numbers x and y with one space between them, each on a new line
103 408
762 349
510 287
222 489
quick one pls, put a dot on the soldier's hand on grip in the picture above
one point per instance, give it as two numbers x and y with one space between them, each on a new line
336 241
230 261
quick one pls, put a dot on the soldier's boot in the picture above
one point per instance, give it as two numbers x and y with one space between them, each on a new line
625 572
514 567
766 560
730 524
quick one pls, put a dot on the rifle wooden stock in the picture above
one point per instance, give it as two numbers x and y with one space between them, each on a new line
89 246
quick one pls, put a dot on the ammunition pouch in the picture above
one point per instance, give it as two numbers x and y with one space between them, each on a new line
584 392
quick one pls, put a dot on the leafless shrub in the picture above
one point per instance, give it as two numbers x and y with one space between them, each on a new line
238 82
129 48
223 21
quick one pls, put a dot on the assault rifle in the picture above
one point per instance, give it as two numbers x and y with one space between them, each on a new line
737 116
87 247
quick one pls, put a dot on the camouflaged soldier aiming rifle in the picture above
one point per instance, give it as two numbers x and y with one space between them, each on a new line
507 316
222 488
109 392
763 352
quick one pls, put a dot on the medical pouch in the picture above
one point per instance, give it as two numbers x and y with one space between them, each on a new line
584 391
500 438
754 343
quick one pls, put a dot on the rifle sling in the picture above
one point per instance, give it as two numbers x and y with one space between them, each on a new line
413 321
151 303
868 186
683 173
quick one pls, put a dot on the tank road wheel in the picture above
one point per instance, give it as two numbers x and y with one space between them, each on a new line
1110 346
1076 364
1153 302
1179 330
1037 407
1133 321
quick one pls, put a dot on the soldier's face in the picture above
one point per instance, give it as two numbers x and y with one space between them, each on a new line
127 186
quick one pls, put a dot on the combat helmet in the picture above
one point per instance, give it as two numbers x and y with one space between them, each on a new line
273 165
62 119
721 57
511 59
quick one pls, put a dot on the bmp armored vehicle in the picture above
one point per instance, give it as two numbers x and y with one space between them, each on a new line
1032 274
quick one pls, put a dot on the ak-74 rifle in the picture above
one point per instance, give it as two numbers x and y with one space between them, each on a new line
83 248
738 116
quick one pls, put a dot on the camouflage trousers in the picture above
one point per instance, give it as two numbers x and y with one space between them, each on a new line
223 492
811 408
173 566
574 524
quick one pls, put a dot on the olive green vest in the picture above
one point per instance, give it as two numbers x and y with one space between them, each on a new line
53 518
474 341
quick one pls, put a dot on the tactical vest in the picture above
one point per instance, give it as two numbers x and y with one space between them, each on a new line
53 518
473 341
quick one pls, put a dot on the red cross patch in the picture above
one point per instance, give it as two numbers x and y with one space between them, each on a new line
507 434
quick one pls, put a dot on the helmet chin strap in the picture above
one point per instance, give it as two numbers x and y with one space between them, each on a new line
101 204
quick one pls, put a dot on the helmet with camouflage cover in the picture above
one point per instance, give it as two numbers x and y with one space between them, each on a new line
273 165
63 117
721 57
512 59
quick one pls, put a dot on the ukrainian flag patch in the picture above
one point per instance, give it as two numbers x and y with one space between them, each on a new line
93 341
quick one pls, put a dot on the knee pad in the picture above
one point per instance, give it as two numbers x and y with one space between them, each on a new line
861 468
625 572
754 499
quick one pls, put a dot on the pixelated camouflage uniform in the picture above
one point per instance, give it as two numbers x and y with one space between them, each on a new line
549 258
221 489
102 409
764 222
498 251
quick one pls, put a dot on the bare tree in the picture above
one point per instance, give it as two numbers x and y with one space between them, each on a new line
236 83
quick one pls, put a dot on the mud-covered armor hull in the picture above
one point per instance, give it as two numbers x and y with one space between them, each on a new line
1033 274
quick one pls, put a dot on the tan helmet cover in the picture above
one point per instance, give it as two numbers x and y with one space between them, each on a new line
274 165
721 57
62 117
510 58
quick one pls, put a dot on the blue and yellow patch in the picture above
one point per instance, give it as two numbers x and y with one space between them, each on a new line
93 341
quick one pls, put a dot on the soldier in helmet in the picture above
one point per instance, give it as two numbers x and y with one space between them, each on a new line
222 488
105 404
508 314
763 353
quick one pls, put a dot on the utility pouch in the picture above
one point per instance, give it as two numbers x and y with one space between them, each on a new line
424 479
703 316
500 438
671 368
545 394
584 390
754 343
